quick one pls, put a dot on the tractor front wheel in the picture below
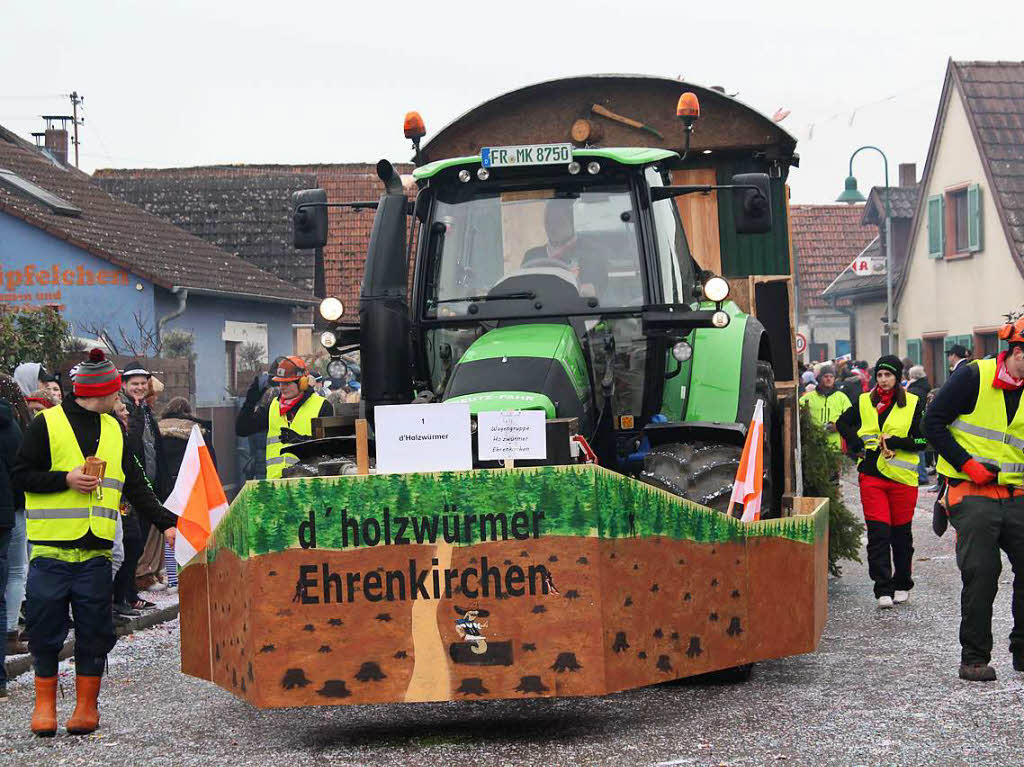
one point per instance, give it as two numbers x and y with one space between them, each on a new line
704 471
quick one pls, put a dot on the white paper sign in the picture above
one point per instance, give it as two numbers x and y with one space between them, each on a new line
516 434
412 438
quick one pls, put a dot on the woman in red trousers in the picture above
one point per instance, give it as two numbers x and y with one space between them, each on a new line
884 431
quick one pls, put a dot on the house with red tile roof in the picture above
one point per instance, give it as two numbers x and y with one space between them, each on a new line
120 273
826 240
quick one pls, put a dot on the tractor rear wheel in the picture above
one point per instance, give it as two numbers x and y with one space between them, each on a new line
704 471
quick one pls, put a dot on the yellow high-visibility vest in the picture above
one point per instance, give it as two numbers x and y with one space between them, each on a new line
825 410
69 514
986 433
902 467
302 423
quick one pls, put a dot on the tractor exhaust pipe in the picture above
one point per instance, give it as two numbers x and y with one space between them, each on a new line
384 324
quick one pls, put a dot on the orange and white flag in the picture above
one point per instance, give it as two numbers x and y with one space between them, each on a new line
746 489
198 499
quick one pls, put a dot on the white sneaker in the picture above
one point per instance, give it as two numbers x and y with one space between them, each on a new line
158 586
901 596
885 603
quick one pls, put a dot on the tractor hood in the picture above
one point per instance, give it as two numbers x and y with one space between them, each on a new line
525 367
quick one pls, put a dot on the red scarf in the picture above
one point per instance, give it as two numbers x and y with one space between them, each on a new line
1003 379
286 405
885 398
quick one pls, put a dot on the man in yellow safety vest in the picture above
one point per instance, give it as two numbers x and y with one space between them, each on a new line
289 416
74 468
976 423
826 403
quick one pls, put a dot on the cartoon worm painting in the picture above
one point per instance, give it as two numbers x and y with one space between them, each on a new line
469 628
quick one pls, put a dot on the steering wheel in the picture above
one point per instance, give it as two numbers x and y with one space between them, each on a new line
541 263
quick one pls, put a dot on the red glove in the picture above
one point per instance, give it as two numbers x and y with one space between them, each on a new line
979 474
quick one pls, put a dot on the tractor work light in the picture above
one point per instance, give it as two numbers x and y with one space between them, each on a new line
574 168
464 175
483 174
716 289
337 369
331 309
682 351
719 319
328 340
593 167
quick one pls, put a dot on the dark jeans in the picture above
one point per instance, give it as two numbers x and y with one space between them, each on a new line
5 540
124 582
983 527
890 554
85 586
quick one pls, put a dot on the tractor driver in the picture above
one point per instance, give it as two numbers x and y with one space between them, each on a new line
563 246
289 416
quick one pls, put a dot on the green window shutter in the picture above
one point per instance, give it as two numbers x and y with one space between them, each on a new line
914 350
1003 345
974 218
948 343
936 222
966 341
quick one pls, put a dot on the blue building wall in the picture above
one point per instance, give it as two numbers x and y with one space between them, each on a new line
91 291
205 318
38 269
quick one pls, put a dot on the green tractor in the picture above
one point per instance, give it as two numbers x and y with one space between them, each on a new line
553 278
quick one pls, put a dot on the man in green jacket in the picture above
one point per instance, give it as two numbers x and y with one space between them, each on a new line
826 403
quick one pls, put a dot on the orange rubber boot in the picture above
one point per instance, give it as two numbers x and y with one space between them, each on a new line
86 717
44 716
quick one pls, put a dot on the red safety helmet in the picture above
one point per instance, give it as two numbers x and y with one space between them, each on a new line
1013 332
292 369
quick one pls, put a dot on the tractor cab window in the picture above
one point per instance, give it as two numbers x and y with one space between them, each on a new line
559 244
677 271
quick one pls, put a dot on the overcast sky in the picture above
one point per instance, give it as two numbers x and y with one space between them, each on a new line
195 83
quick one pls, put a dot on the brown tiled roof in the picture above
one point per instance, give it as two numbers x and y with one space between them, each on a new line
993 94
247 209
137 241
826 238
902 203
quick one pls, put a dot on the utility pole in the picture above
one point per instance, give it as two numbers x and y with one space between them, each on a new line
75 101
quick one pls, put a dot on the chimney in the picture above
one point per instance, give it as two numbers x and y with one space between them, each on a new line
908 174
56 141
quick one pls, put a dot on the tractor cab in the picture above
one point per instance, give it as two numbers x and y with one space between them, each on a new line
559 285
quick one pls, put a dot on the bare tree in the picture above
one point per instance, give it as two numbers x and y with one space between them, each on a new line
140 341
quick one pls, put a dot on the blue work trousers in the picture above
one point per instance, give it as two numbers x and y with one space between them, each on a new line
87 587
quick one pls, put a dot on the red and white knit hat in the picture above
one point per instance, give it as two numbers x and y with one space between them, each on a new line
97 376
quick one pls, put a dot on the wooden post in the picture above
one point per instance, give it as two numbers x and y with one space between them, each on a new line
362 448
510 463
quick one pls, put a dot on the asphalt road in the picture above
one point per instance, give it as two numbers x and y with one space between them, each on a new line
881 690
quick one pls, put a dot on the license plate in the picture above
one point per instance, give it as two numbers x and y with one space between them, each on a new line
527 154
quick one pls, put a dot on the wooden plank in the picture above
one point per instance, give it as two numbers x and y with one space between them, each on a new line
362 447
699 213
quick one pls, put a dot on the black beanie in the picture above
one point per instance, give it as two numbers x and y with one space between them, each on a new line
892 363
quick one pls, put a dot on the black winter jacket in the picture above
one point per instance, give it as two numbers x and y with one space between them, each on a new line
175 433
138 418
11 498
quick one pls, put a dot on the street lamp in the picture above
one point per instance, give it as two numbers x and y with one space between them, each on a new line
850 196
